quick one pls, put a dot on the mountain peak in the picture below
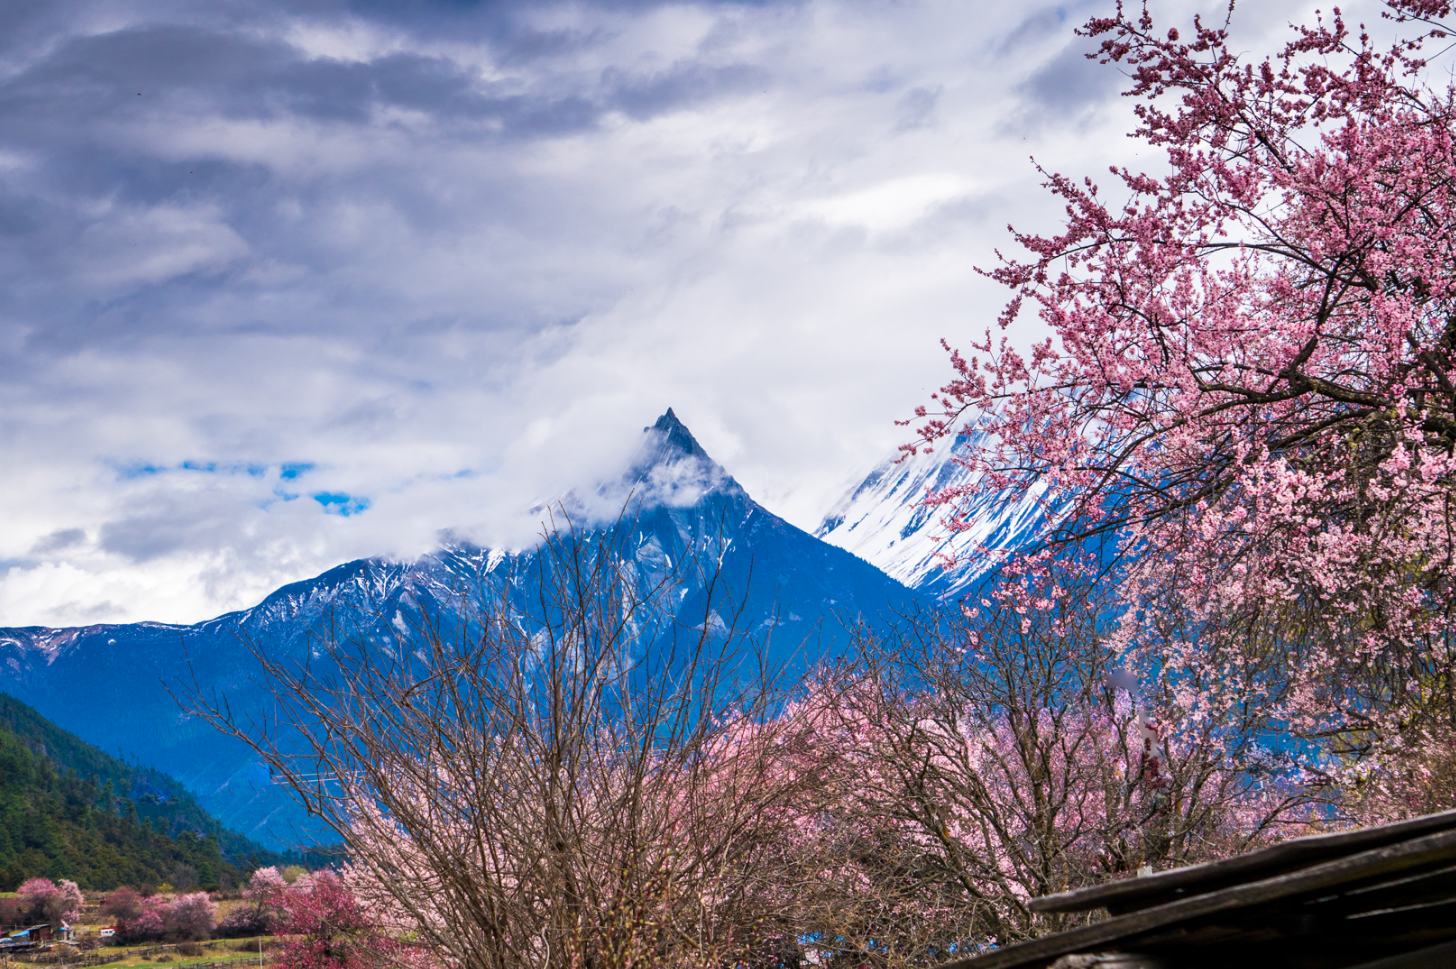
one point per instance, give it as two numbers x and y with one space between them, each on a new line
673 469
675 438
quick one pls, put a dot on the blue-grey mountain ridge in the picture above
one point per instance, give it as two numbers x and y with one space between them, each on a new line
109 684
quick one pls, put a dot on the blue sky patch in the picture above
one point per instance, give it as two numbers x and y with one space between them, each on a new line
287 471
139 471
337 503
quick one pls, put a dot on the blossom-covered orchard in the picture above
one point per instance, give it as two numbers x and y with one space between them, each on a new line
1249 386
316 921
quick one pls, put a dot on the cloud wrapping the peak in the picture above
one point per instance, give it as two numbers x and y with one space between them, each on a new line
444 259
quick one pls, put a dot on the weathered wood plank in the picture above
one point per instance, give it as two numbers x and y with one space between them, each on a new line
1122 931
1156 889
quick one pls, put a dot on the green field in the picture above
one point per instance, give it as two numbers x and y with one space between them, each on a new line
224 955
224 950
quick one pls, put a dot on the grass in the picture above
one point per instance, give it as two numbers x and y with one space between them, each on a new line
145 962
221 952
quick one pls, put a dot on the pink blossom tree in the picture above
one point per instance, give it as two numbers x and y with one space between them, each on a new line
1248 380
190 917
55 903
973 764
34 893
259 913
150 921
123 906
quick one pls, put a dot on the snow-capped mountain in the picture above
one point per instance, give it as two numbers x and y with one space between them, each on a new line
885 521
109 684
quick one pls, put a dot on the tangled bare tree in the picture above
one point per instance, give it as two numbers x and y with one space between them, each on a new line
553 769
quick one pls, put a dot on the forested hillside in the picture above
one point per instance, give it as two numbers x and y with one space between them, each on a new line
69 810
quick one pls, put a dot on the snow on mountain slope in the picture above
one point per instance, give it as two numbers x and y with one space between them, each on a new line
885 522
796 596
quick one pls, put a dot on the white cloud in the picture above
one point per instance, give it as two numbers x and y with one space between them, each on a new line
892 205
456 265
127 249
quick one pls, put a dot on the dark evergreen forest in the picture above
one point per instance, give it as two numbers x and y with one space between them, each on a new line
69 810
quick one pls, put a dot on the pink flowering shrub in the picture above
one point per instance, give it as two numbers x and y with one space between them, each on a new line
325 924
971 765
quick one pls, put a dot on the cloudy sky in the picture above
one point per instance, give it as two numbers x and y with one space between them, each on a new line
284 283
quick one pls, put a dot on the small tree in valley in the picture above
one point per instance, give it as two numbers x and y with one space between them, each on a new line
190 918
123 906
258 913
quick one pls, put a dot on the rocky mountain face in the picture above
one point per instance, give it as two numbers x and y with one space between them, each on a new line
885 521
114 685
